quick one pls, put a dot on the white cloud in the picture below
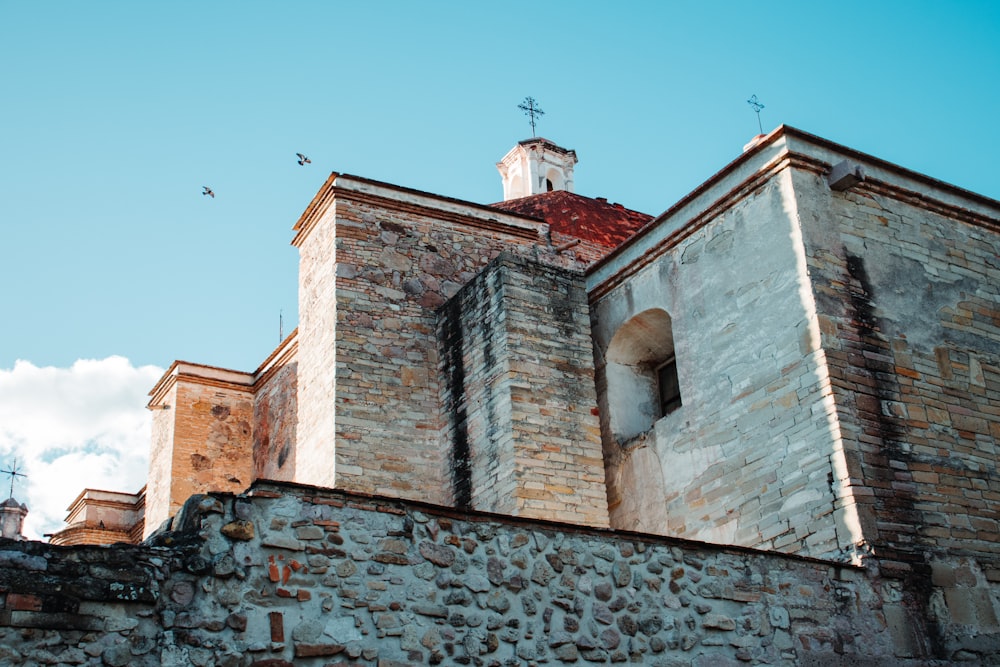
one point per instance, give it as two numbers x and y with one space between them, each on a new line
73 428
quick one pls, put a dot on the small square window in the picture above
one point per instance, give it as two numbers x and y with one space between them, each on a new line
669 387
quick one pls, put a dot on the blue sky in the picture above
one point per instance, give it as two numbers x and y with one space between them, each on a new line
115 114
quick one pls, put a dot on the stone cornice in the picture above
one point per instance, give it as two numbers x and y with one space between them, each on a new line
319 204
100 496
651 251
921 200
282 355
210 376
83 533
783 148
891 170
397 198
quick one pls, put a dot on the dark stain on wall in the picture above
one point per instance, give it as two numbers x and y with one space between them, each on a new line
275 420
453 350
867 350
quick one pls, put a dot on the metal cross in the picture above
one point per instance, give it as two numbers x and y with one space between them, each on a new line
756 106
531 109
13 473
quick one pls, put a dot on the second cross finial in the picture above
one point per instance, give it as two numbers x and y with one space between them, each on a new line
756 105
531 109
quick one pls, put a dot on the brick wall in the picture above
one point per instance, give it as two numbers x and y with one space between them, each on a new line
842 350
369 321
302 576
202 437
909 296
519 394
212 445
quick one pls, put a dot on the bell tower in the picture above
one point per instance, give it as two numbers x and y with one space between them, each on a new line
535 166
12 515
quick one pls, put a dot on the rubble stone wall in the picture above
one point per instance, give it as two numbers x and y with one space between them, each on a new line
290 575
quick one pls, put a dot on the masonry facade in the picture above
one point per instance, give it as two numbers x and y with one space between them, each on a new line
837 400
799 358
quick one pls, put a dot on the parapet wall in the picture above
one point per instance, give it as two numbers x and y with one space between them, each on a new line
296 575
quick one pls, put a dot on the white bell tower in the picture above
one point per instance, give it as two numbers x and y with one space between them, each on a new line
535 166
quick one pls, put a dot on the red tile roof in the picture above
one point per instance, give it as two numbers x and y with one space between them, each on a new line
593 220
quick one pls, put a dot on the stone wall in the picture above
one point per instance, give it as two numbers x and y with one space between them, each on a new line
159 506
290 575
369 329
219 430
519 395
314 457
908 290
746 459
842 350
376 262
275 414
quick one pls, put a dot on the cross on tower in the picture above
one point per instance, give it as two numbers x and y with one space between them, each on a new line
531 109
756 106
13 473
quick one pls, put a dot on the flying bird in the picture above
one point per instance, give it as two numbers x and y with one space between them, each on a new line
208 191
303 159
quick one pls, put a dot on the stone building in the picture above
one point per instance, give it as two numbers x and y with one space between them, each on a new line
799 360
103 517
435 337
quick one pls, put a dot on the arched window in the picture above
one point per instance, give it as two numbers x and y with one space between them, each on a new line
641 370
554 180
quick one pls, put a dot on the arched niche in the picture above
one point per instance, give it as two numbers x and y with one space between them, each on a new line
641 372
